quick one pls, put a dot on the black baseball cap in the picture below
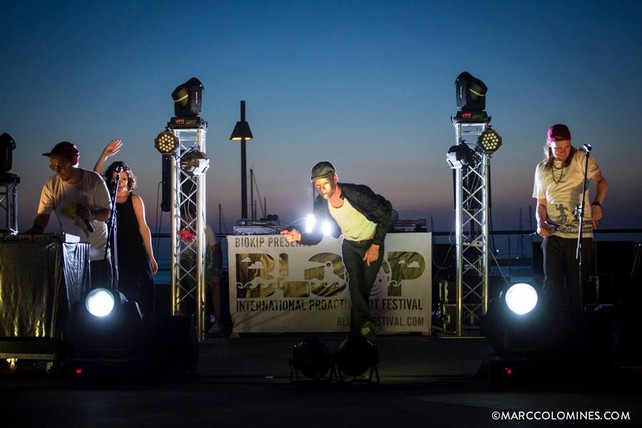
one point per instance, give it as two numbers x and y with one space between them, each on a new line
64 148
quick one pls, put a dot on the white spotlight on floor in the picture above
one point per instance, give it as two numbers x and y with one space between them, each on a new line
100 302
521 298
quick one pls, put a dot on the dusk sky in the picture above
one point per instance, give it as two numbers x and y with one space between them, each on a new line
368 85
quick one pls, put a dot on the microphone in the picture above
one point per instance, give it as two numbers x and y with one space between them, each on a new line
587 147
88 224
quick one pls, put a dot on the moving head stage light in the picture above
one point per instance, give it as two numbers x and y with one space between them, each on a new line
188 98
471 93
7 145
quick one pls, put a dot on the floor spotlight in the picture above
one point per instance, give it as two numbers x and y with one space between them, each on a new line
521 298
105 329
312 358
166 143
100 302
355 356
518 323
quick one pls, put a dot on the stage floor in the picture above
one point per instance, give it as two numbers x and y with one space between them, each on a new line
245 382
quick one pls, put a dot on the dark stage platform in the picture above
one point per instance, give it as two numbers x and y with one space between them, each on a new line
424 381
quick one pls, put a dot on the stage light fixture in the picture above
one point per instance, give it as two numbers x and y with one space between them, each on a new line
312 358
525 329
489 141
356 355
100 302
470 93
521 298
195 162
460 155
187 98
106 304
166 143
311 224
518 324
7 145
105 328
326 228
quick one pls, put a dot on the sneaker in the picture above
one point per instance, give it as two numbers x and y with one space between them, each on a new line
368 331
216 330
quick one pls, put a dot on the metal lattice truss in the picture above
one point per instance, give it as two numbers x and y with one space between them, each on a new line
8 199
472 231
188 229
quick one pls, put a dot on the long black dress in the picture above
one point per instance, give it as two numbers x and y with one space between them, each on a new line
136 279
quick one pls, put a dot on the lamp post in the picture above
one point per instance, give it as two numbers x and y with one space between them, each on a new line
242 133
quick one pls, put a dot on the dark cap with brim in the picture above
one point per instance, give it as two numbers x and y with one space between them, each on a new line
321 170
64 148
559 132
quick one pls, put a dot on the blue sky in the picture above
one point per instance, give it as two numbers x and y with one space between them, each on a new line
368 85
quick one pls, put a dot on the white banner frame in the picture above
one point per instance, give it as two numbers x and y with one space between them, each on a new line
278 287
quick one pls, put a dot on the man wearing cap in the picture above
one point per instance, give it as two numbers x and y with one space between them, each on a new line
82 204
559 180
363 218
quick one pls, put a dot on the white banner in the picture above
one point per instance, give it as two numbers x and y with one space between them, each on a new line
278 287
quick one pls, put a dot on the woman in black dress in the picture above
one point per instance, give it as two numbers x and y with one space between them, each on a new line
136 263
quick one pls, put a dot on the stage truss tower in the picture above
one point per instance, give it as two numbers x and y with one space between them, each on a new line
9 199
188 225
472 215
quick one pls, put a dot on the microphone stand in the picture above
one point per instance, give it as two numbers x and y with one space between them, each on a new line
112 232
578 249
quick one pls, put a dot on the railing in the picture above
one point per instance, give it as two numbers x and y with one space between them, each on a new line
516 257
513 254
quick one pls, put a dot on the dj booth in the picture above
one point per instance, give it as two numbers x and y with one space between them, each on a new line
41 276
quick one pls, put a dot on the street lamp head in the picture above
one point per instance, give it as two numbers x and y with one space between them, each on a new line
241 131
